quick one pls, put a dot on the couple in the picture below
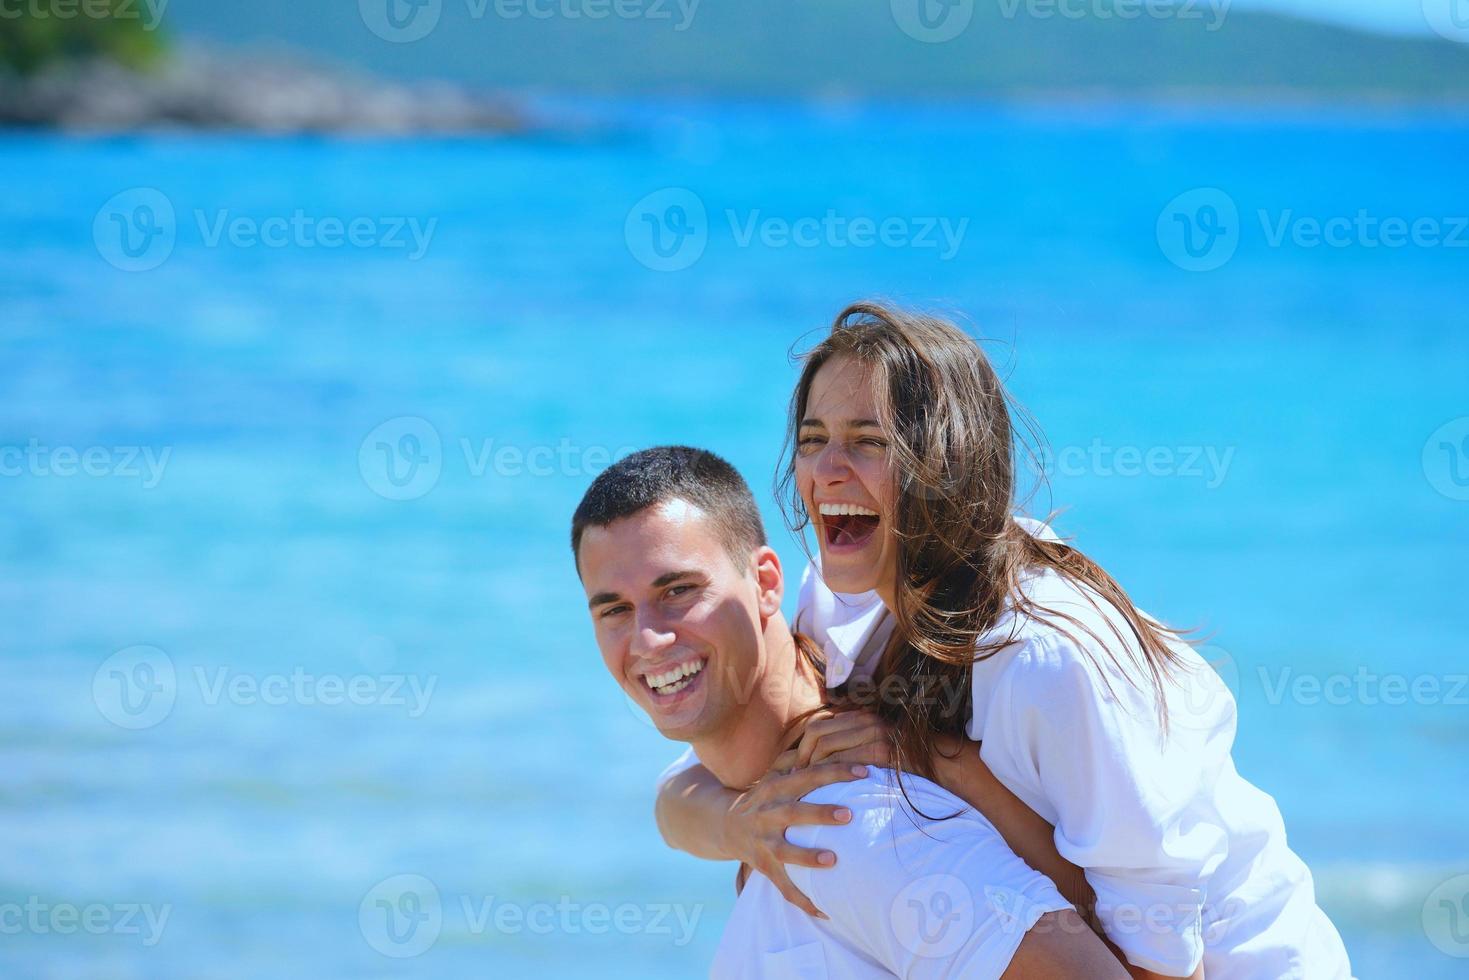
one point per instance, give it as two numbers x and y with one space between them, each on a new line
1098 828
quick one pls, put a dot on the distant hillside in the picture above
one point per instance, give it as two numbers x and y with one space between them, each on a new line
785 47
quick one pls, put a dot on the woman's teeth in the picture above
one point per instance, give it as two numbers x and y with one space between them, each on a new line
675 680
845 510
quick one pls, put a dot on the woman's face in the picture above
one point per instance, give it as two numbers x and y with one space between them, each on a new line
844 475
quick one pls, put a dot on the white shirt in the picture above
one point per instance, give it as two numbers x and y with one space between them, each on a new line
908 896
1188 860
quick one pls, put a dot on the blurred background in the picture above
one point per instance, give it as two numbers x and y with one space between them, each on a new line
317 319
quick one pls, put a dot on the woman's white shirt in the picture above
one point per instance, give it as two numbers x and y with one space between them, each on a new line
1188 860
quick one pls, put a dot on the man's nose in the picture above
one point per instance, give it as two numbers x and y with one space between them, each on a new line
650 637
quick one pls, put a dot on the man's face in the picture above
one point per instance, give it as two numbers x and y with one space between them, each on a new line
679 625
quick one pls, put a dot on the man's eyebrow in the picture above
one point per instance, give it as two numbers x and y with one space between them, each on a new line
667 578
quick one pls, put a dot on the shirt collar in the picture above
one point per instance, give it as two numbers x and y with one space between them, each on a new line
851 620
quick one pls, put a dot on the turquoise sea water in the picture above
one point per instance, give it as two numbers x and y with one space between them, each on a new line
1303 501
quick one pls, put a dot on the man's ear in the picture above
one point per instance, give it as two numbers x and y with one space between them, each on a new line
770 579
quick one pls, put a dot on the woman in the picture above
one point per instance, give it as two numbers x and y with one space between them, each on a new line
975 626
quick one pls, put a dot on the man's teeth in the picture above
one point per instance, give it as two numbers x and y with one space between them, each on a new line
846 510
675 680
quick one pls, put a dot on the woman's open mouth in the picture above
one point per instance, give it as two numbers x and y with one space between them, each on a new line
847 526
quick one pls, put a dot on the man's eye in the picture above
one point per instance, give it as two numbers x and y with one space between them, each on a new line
613 611
678 590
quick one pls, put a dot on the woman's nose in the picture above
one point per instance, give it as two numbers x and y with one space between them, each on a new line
831 464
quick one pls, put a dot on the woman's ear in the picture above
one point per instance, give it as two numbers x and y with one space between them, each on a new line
769 579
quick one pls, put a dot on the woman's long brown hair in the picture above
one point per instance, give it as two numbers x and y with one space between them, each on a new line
961 554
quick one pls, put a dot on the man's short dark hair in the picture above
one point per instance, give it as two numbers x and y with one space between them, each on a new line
654 476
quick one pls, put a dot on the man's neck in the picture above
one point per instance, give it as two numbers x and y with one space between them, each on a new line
787 688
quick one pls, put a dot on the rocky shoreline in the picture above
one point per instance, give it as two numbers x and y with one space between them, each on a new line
255 93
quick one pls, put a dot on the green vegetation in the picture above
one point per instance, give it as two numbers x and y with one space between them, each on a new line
35 35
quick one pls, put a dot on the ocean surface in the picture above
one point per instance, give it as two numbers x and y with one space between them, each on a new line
300 679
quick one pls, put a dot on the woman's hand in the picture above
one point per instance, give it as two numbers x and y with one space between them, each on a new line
755 827
854 737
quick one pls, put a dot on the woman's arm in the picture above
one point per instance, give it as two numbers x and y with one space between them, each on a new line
962 772
1130 798
699 815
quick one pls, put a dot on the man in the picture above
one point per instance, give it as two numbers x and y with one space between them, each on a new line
685 596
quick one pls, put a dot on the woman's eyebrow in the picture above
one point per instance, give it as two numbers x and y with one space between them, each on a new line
853 424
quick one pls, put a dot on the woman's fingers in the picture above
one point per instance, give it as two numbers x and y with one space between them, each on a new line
805 857
797 784
819 814
790 892
879 754
850 738
821 729
785 762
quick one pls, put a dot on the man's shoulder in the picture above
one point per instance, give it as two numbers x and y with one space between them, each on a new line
878 801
